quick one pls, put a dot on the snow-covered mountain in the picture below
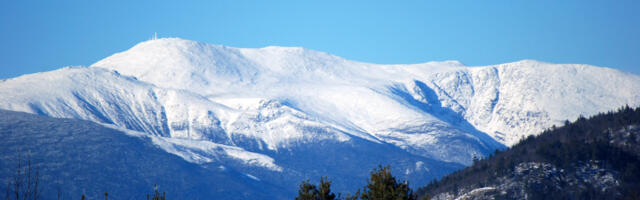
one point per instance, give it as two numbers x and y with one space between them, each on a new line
506 101
270 108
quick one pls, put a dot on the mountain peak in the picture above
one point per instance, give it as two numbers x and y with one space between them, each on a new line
528 90
290 103
185 64
169 42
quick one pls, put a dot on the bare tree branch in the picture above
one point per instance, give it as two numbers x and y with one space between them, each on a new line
25 182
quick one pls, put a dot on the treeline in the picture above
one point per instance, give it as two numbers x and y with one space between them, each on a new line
611 138
380 186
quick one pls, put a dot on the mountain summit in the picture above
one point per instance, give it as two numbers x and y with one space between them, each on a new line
507 101
282 114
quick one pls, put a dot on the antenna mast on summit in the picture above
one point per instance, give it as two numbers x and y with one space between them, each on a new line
155 35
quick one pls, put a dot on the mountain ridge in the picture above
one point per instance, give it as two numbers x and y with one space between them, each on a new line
366 76
264 107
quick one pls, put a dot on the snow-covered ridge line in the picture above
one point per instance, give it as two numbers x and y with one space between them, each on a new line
479 95
269 113
276 98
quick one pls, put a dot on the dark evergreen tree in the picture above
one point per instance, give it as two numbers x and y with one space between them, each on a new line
324 192
352 197
307 191
383 186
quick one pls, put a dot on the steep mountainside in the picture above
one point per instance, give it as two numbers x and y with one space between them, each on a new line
596 158
285 114
79 157
507 101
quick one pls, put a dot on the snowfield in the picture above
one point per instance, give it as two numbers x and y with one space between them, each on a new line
202 101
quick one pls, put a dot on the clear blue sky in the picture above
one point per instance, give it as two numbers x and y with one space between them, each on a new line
46 35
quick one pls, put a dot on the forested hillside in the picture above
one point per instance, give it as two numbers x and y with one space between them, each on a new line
595 158
74 157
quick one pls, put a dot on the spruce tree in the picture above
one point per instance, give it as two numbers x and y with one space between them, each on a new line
324 192
307 191
383 186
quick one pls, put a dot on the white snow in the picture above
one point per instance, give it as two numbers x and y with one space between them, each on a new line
507 101
200 151
474 192
205 99
252 177
205 151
